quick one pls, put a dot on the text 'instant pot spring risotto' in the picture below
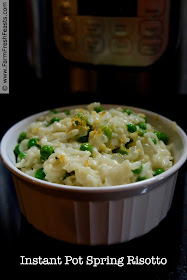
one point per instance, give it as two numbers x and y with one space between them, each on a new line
93 147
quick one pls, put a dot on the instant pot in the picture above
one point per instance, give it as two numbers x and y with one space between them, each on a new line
102 47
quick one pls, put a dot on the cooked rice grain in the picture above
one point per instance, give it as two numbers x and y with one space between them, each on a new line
115 155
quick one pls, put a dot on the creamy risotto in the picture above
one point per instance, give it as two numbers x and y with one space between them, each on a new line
93 147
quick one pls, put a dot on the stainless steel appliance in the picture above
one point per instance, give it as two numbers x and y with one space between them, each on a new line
103 47
124 33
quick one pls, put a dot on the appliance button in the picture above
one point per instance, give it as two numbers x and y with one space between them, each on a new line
65 7
120 45
120 28
68 43
93 45
153 7
67 25
150 46
151 28
92 27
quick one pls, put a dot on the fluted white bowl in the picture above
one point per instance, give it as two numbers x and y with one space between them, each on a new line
95 216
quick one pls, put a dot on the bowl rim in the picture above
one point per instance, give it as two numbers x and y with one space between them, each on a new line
103 189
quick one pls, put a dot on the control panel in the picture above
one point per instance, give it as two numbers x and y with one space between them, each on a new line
121 34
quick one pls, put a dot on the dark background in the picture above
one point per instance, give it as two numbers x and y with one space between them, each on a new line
29 95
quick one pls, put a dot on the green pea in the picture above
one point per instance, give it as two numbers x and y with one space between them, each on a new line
67 112
54 111
128 111
79 115
131 128
138 170
16 150
78 118
55 119
21 156
46 151
33 142
161 136
141 132
142 125
40 174
22 136
122 151
107 131
140 178
98 109
157 133
145 118
154 140
164 137
158 171
86 147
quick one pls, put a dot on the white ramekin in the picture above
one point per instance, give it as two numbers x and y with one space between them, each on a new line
95 216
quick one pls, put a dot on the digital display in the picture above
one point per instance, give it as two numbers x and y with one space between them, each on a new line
106 8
